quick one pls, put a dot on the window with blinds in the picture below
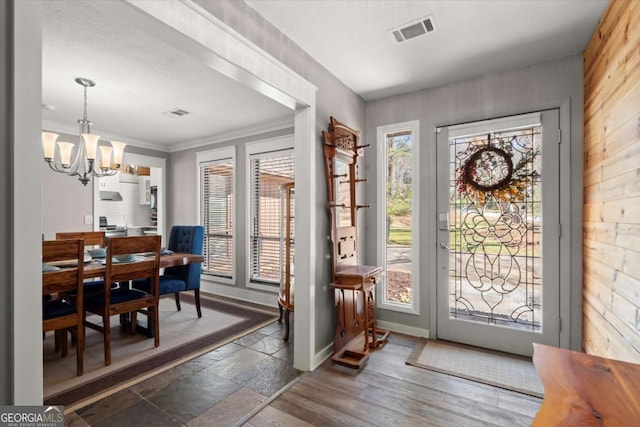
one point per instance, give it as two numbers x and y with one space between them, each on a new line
268 172
217 212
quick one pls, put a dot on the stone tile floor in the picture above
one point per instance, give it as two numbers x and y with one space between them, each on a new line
215 389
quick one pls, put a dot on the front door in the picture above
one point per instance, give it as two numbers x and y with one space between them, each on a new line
498 232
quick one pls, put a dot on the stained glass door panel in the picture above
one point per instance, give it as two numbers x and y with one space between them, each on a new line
497 268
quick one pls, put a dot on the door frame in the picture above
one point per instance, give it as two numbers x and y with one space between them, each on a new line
571 237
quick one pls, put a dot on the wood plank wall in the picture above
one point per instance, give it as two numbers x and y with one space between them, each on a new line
611 304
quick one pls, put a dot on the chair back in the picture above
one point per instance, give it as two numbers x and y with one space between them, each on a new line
146 267
91 238
187 239
65 279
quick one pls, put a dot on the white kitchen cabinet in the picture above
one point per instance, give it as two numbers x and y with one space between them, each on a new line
144 190
141 230
135 231
109 183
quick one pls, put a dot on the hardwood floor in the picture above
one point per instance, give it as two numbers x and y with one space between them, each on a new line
387 392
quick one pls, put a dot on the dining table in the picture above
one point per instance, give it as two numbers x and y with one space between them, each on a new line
96 267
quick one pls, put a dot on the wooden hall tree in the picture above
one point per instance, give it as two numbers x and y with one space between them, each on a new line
353 284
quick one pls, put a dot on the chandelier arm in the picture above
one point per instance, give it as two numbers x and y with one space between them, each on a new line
100 172
56 166
80 152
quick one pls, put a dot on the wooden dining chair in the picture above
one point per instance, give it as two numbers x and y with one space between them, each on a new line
59 313
91 238
123 299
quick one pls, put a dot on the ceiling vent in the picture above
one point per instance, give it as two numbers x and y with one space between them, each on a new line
176 112
414 29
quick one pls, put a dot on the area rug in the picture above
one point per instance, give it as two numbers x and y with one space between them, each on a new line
498 369
183 336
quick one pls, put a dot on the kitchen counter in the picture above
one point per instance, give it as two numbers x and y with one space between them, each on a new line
141 230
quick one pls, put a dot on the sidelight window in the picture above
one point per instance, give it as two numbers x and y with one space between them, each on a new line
398 226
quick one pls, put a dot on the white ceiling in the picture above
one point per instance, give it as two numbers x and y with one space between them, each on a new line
138 77
473 37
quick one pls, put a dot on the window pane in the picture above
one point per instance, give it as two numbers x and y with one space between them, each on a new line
267 175
217 217
399 197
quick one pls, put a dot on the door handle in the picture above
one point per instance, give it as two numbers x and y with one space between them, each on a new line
444 245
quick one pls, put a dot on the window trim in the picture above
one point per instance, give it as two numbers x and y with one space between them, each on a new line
220 154
381 255
268 147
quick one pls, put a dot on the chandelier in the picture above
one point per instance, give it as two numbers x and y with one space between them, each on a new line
84 164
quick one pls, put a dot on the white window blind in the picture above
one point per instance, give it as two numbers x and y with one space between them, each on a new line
268 171
217 213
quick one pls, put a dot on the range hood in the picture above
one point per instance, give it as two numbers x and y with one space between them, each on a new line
113 196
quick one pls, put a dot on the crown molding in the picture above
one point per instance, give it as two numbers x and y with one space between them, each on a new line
274 125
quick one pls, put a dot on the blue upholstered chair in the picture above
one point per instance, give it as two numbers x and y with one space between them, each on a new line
185 239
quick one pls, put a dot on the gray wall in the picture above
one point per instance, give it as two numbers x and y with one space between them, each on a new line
6 204
333 99
511 92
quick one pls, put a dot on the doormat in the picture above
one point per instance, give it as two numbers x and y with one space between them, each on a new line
508 371
183 336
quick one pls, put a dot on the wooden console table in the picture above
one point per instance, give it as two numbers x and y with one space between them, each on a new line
355 300
585 390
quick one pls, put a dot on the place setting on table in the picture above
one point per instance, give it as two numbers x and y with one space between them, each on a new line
57 265
96 258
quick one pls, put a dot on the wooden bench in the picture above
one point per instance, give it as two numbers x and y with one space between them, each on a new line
585 390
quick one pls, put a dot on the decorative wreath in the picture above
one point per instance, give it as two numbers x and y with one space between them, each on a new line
489 171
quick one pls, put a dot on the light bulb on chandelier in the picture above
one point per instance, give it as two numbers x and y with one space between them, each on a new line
84 164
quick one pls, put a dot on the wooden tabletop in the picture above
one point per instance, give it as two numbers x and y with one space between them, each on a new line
585 390
356 277
360 271
96 268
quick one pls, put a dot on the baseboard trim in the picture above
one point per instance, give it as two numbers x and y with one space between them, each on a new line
403 329
242 294
321 356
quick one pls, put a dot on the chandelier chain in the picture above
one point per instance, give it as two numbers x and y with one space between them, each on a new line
84 117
